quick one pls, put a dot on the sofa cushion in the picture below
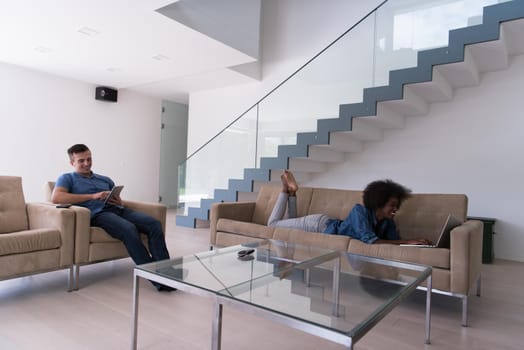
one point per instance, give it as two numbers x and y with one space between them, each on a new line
423 215
29 241
436 257
332 202
334 242
267 196
244 228
225 239
13 215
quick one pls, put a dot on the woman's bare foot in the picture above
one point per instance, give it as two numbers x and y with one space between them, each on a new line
283 179
292 186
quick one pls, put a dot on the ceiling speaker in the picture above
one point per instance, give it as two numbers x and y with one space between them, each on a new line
104 93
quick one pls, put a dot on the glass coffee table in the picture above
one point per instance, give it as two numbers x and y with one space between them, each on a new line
334 295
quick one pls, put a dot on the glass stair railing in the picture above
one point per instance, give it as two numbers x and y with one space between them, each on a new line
396 44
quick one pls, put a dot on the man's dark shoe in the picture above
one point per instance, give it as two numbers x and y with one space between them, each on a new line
163 288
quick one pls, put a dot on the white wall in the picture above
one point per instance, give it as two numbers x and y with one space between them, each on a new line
42 115
469 146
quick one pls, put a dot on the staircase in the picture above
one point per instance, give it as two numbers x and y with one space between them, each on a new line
471 52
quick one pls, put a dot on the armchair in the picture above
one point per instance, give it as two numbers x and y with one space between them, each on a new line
94 244
34 237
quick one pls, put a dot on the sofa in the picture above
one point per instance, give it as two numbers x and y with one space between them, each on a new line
94 244
34 237
455 270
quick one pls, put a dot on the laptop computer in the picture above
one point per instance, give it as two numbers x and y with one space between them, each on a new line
443 240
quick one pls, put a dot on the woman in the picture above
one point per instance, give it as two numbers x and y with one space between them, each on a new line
370 223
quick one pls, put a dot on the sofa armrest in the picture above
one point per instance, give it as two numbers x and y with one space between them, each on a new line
156 210
43 215
465 256
240 211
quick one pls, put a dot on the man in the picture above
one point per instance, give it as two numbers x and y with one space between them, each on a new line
85 188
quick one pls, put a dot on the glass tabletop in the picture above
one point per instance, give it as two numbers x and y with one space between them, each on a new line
367 288
223 268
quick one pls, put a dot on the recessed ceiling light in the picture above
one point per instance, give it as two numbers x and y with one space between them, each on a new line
88 31
113 69
160 57
43 49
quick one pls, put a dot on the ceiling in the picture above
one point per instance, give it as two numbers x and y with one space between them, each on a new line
124 44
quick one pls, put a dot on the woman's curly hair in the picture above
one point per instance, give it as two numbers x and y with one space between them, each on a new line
377 193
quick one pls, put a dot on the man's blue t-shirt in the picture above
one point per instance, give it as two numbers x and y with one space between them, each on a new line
79 184
362 224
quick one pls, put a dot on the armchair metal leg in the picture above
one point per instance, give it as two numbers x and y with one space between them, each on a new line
465 302
77 274
71 279
465 311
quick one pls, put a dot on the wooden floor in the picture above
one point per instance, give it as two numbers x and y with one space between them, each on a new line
38 313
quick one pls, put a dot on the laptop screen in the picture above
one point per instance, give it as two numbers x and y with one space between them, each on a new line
444 237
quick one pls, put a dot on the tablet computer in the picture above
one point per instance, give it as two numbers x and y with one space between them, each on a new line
115 191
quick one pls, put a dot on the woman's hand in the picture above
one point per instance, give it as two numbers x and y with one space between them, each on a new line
419 241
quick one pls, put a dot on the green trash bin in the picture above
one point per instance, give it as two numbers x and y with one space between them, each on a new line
487 239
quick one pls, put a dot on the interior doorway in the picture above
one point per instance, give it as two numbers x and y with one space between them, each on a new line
173 150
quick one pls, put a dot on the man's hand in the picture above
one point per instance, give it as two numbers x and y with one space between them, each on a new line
116 200
100 195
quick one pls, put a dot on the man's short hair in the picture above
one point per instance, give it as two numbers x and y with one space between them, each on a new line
377 193
78 148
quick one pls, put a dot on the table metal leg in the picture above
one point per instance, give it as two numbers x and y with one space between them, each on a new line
336 287
136 284
428 309
216 333
465 311
307 273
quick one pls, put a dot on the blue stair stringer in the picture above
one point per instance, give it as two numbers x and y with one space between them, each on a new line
489 30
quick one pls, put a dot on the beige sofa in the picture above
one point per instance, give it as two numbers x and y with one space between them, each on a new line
34 237
93 244
455 270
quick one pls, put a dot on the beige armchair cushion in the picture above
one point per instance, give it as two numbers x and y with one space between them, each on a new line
99 235
13 215
29 241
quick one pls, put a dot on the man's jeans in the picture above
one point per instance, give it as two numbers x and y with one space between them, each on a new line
125 224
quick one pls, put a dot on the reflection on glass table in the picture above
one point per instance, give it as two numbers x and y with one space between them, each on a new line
208 272
341 306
